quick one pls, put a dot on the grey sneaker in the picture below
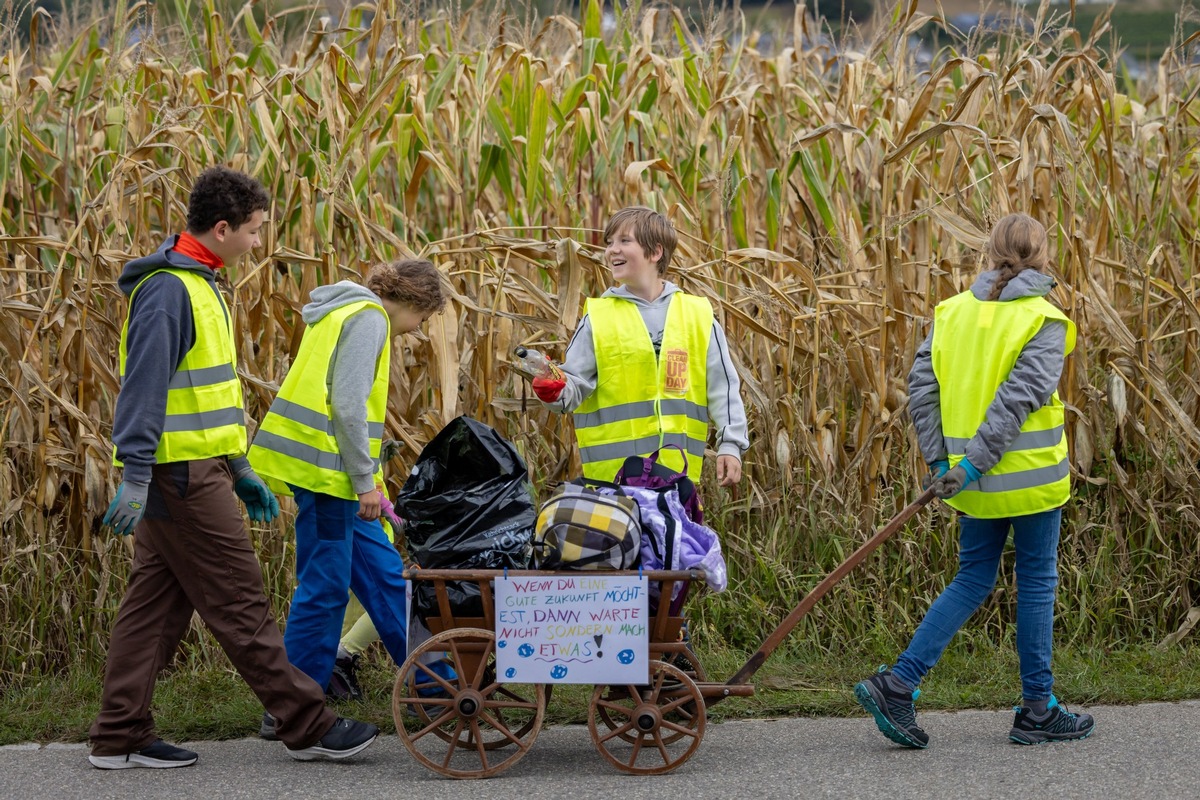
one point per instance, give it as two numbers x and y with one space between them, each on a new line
1056 725
158 755
266 729
890 702
346 738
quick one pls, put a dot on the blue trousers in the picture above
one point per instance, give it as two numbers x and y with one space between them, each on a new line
337 551
981 541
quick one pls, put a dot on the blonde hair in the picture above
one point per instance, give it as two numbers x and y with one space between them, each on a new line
411 282
650 228
1018 242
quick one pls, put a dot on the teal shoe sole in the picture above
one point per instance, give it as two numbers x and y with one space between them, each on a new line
862 693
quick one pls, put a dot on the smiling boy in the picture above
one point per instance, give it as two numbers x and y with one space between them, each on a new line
648 365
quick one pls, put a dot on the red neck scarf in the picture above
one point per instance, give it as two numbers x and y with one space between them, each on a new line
191 247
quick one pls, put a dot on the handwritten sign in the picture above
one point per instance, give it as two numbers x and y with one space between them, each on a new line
589 628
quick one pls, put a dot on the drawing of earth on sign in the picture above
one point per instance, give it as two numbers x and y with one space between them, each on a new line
510 672
502 643
525 650
625 656
559 672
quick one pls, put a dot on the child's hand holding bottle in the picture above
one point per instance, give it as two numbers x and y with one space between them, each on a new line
547 379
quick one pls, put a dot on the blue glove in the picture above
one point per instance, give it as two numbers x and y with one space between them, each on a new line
127 507
952 482
936 470
260 501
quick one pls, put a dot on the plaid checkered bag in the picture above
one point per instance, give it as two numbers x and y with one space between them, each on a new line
587 527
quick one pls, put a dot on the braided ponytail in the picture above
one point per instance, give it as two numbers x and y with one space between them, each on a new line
1018 242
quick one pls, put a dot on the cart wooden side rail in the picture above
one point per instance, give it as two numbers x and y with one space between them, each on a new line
465 722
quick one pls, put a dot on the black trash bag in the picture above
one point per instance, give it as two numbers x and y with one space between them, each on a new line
467 504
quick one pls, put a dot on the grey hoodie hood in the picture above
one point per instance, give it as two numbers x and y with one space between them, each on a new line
329 298
663 299
164 258
1027 283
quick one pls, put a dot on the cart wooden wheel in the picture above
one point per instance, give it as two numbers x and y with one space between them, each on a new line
687 661
477 727
517 720
652 729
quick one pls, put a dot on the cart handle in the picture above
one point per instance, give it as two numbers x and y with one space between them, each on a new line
821 589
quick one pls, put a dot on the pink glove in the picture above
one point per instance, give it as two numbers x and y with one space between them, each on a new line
388 510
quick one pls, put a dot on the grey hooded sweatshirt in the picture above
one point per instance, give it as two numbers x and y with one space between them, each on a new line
725 405
1028 387
161 332
351 373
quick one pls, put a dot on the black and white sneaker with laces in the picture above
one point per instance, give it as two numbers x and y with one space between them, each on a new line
347 737
343 684
1056 725
890 702
157 755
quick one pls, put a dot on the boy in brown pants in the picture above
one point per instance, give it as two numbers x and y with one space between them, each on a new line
179 433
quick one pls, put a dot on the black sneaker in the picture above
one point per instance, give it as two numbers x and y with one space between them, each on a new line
158 755
1056 725
343 684
266 729
890 702
346 738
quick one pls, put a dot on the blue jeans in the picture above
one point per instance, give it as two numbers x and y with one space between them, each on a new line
981 541
337 551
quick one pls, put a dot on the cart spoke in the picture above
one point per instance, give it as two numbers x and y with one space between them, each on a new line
637 749
453 744
456 657
434 725
523 705
615 732
480 671
438 679
677 704
530 702
479 748
499 726
662 749
610 705
680 729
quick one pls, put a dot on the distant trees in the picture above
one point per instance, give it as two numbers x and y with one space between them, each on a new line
845 10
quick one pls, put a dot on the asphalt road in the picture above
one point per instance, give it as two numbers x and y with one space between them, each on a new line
1143 752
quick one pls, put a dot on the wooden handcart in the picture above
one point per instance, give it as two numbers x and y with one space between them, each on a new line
477 725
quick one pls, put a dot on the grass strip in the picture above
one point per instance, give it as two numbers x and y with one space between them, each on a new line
214 703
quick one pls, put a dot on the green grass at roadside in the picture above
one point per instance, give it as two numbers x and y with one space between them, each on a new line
975 673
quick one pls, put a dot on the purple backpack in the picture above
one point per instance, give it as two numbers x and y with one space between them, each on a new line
648 473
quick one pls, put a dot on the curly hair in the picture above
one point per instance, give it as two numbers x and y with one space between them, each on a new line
413 282
1018 242
650 229
221 193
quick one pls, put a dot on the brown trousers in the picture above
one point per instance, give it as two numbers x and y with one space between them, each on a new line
191 552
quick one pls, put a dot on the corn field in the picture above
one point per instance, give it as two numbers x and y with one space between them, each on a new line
827 197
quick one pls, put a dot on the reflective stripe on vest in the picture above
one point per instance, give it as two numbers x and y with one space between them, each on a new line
296 443
975 346
204 414
670 391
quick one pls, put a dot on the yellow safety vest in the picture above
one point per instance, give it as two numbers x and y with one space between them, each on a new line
205 416
295 443
975 346
643 401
